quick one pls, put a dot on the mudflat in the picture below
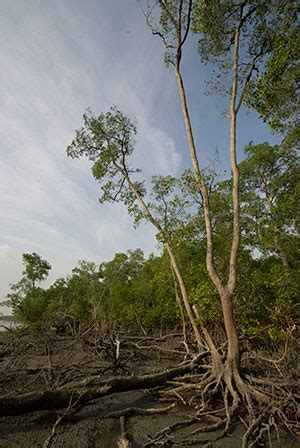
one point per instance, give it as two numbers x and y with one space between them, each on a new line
156 416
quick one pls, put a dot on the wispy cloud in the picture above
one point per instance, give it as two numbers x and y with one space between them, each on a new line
57 59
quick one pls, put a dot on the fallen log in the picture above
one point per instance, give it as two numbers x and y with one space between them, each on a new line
80 393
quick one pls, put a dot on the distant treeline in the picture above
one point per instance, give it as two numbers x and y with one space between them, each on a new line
137 292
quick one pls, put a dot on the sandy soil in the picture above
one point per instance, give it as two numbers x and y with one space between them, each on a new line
32 362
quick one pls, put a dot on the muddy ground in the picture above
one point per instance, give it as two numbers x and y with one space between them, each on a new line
30 362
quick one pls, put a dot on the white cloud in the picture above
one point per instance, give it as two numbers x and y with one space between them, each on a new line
4 250
57 59
162 156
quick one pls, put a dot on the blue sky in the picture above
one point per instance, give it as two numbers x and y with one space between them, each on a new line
59 57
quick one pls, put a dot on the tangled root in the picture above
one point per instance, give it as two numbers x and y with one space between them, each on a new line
264 403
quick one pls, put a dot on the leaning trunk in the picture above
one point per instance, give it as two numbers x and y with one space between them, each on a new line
184 295
201 184
171 254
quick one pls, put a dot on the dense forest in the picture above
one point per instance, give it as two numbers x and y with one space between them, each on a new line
133 292
227 265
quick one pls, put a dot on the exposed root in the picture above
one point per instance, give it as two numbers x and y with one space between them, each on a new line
264 403
165 432
53 433
216 393
90 389
72 407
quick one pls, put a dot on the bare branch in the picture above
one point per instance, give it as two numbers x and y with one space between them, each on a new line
187 25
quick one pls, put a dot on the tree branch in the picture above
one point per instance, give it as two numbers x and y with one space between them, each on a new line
247 80
90 389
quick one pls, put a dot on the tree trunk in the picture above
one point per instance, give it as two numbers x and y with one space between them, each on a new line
201 184
233 353
225 291
185 297
208 338
172 256
233 356
178 300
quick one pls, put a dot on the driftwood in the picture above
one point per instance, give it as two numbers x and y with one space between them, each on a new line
90 389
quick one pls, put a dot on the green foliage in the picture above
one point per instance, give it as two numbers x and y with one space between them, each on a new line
32 309
27 300
269 52
169 207
35 268
78 297
270 198
214 20
137 291
108 141
273 92
268 74
173 26
267 297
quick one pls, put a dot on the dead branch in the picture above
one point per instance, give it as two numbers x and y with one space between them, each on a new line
71 407
166 431
129 412
90 389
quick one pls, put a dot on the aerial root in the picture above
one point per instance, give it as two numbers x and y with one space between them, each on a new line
165 433
261 426
72 407
213 390
270 407
264 404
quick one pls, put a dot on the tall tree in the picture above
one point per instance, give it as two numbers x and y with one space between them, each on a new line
27 299
175 25
235 36
108 141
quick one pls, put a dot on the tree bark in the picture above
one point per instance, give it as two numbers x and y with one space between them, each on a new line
225 290
178 300
233 353
234 169
201 184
